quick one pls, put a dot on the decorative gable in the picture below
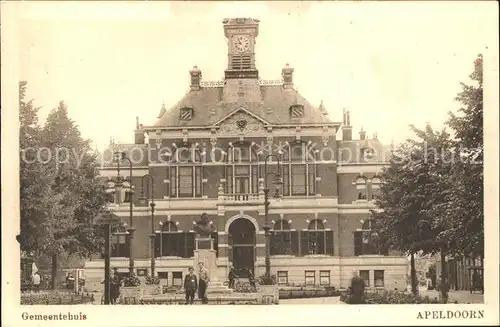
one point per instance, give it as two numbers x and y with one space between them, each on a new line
186 113
296 111
241 122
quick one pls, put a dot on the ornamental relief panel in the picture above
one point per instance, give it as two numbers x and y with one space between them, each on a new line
241 124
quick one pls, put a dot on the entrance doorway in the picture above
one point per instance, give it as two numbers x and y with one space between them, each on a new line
242 239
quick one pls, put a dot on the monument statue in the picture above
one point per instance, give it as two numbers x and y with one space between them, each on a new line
203 226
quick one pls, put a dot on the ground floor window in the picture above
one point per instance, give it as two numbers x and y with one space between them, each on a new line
282 277
324 277
174 244
177 278
119 246
378 276
142 272
163 275
310 277
365 276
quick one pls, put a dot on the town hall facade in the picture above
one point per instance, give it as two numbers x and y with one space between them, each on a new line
216 150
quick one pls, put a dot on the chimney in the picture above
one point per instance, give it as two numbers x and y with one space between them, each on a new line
138 133
287 75
375 135
362 134
346 126
195 78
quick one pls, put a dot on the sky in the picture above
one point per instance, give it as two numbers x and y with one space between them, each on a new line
391 64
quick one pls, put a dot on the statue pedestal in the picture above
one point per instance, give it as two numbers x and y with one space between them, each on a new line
204 252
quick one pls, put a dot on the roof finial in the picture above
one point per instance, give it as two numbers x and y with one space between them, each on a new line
136 122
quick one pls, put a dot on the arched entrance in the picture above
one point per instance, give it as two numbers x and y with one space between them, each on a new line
241 237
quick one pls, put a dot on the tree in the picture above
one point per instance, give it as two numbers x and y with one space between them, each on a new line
413 186
466 200
76 170
60 193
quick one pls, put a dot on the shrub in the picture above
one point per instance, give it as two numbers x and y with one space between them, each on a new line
132 281
152 280
392 297
265 280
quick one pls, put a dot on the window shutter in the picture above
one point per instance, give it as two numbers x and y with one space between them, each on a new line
304 242
294 236
157 245
329 242
358 243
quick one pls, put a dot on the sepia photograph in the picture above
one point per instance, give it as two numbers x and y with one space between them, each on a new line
327 154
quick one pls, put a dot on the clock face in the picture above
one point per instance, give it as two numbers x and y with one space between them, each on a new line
241 43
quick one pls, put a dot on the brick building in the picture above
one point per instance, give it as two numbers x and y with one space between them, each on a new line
206 154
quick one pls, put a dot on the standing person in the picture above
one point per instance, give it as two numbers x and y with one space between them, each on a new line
35 280
444 288
251 280
115 286
231 276
204 280
190 286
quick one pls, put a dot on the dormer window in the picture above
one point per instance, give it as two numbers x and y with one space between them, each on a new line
297 111
367 154
186 113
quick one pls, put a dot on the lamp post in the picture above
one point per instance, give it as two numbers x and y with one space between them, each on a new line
152 204
278 181
106 220
121 156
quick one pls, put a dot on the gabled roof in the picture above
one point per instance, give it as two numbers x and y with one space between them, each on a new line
273 107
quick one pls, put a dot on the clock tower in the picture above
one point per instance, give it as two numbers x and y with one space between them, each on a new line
241 34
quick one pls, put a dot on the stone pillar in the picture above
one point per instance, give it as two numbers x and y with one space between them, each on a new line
204 252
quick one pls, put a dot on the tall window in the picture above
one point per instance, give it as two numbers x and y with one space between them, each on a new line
299 170
283 240
173 243
186 174
317 240
378 276
364 241
376 183
242 169
365 276
361 188
119 243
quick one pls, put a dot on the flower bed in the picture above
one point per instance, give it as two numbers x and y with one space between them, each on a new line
392 297
305 293
55 298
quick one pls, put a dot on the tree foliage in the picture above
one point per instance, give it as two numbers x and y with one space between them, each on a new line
432 198
60 193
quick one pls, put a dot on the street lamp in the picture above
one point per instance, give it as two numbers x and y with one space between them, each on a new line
278 181
143 200
106 220
121 156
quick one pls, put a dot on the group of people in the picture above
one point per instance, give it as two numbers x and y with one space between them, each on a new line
191 284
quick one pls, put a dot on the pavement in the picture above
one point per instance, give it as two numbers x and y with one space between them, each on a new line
459 296
314 300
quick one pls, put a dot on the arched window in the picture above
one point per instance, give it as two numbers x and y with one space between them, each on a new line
364 239
299 170
361 188
376 183
170 242
119 242
283 240
186 172
319 240
242 170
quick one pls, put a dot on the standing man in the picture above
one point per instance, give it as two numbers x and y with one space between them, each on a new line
231 276
204 280
36 279
190 286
